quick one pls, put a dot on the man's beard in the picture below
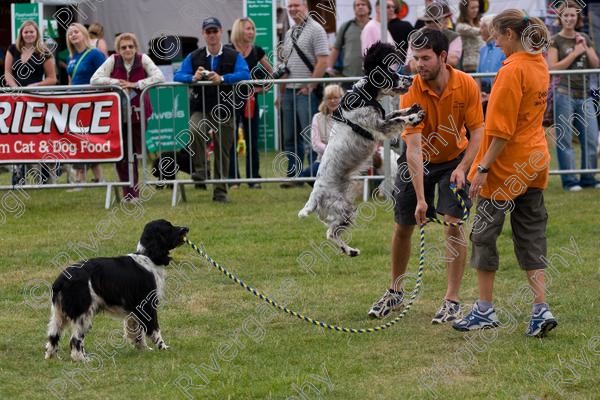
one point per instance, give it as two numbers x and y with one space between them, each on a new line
431 74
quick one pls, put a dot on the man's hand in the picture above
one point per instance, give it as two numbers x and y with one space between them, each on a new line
305 90
214 78
458 178
421 212
198 74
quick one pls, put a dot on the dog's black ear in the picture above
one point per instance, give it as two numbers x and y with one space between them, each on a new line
375 56
156 241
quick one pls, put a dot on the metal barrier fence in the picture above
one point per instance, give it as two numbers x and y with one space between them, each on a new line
181 150
183 155
184 161
56 154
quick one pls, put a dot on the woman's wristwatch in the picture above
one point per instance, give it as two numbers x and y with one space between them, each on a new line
482 170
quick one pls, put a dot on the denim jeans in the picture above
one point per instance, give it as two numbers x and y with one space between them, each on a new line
298 111
576 116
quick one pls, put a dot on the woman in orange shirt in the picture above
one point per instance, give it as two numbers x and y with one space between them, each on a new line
510 170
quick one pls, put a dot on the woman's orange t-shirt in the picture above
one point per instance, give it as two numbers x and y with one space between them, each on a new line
515 111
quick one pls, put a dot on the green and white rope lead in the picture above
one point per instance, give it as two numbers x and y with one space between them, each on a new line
325 325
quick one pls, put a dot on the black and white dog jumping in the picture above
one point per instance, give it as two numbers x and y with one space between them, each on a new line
360 122
129 287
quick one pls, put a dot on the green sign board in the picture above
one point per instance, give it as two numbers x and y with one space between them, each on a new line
263 13
21 12
168 126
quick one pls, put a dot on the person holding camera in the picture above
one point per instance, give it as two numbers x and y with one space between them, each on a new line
306 50
212 106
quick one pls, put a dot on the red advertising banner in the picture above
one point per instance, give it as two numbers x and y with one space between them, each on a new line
70 127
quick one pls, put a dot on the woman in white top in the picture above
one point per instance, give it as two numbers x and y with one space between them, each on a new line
132 71
96 31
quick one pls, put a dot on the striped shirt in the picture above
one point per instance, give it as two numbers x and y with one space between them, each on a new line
311 38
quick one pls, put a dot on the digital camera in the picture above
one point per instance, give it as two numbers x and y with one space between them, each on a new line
280 71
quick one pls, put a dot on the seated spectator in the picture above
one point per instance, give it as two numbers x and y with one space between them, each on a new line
320 129
490 58
220 65
133 71
574 109
348 44
371 33
468 28
448 23
436 16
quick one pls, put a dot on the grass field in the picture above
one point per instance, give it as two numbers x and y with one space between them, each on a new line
226 344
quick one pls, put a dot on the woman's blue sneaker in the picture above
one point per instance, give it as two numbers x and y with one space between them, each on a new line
541 323
476 319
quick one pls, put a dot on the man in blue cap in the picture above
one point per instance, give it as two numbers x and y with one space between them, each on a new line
212 106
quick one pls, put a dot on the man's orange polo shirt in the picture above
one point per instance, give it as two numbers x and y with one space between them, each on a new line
443 129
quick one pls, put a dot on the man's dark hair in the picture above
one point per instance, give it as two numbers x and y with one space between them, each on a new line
427 38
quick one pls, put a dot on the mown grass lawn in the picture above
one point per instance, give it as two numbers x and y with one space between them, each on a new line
225 343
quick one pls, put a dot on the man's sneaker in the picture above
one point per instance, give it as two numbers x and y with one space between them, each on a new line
449 311
390 301
541 323
476 319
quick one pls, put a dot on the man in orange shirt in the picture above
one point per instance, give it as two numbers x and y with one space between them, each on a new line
510 171
437 152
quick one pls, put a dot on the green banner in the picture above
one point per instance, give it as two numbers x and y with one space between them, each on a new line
168 126
262 12
21 12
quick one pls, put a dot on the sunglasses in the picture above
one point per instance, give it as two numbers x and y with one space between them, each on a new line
127 46
211 31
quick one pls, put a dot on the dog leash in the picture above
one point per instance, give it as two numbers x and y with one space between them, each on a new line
325 325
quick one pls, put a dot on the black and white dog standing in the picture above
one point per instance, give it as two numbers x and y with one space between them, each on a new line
360 122
128 286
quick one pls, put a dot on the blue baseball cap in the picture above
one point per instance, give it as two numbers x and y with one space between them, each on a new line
211 22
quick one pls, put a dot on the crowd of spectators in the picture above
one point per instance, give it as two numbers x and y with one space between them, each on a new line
307 53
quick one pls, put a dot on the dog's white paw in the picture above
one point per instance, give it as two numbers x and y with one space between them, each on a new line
303 213
353 252
414 119
78 356
162 346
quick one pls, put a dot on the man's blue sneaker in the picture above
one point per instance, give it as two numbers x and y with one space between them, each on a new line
476 319
541 323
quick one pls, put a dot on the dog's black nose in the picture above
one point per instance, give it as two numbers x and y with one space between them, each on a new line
184 229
